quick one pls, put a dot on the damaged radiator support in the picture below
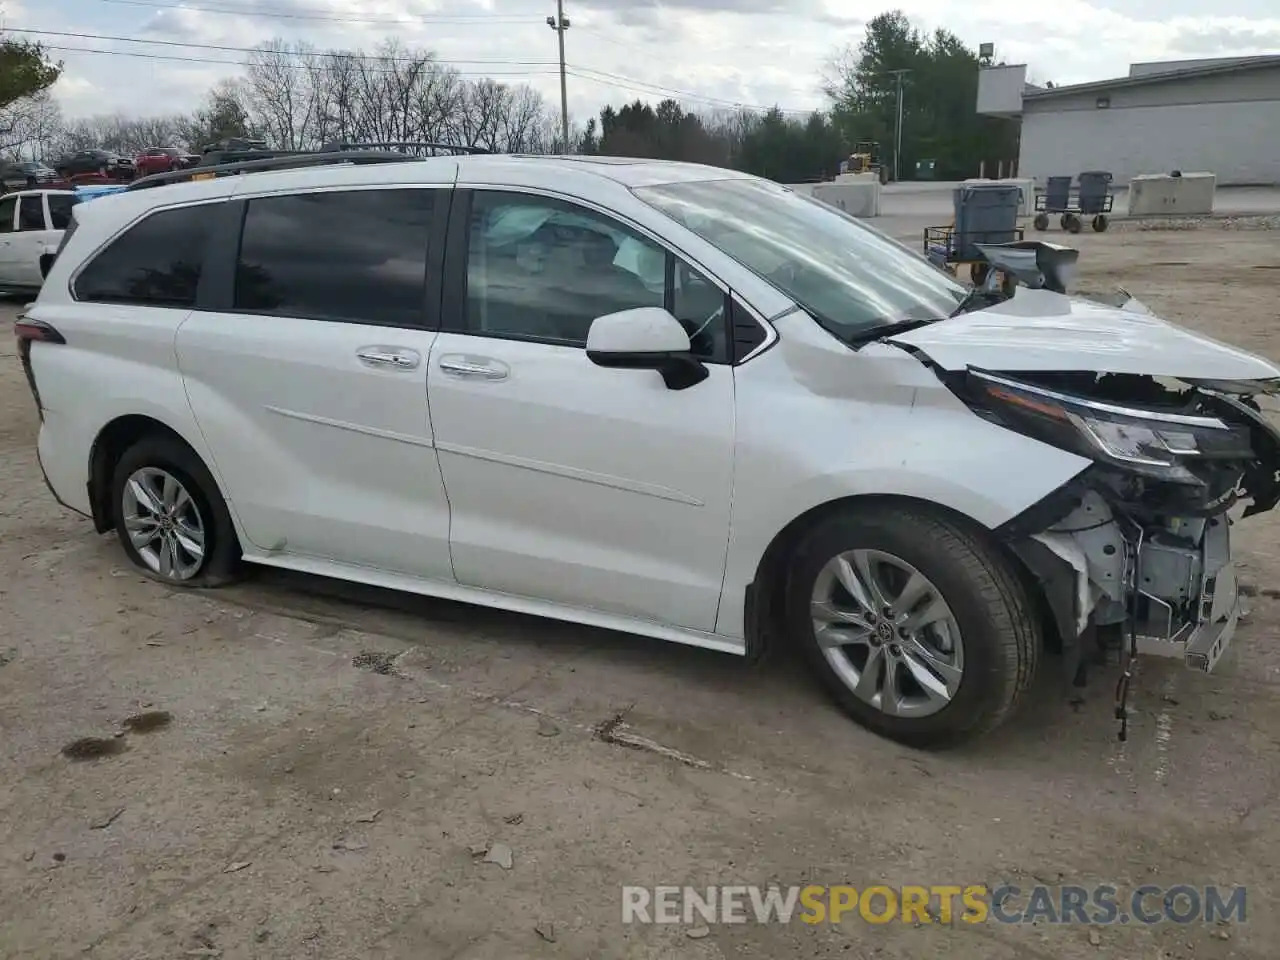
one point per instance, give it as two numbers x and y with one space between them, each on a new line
1169 585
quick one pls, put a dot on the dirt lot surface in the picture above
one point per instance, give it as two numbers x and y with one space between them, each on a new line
333 754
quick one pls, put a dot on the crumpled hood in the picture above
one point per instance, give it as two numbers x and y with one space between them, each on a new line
1039 330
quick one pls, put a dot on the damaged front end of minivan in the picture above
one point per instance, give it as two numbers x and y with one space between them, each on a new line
1136 551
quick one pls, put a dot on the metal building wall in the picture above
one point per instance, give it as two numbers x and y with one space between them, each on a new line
1228 124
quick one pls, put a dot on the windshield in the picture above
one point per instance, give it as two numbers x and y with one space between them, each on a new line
848 276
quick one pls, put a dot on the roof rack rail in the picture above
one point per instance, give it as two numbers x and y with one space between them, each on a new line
284 160
404 145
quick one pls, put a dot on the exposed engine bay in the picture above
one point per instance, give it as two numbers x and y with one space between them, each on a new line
1136 549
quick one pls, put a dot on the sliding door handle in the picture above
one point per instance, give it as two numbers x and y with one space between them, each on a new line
389 357
479 369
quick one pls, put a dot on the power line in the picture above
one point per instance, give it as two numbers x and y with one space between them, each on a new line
642 86
228 49
592 74
171 58
454 19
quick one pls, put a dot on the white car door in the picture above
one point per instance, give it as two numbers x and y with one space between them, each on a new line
309 378
10 251
569 482
35 236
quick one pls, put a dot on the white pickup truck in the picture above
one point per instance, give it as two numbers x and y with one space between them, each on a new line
31 226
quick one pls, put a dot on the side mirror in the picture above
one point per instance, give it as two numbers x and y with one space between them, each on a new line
645 338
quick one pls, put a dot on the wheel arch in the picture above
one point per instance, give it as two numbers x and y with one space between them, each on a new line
115 437
765 595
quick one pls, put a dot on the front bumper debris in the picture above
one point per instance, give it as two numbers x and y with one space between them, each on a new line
1167 587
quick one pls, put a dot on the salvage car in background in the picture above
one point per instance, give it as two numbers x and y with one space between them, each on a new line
666 399
161 160
102 162
31 228
24 175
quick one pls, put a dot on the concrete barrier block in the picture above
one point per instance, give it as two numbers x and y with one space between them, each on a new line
857 178
1154 194
858 199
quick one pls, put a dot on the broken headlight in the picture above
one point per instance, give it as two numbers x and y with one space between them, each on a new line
1153 443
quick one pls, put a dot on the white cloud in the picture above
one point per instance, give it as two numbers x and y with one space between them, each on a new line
724 51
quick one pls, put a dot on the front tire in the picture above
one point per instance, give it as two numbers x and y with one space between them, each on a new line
921 631
171 518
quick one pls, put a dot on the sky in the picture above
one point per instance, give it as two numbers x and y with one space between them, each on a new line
706 53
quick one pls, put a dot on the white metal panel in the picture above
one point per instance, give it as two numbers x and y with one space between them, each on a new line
1000 89
1234 141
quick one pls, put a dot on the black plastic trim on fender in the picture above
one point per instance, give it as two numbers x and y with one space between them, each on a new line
1044 513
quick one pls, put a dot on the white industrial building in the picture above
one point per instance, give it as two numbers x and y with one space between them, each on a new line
1221 116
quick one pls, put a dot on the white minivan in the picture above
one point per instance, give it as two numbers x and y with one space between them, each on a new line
654 397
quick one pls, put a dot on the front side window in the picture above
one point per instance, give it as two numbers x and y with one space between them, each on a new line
542 269
358 256
31 213
8 208
848 276
157 262
60 205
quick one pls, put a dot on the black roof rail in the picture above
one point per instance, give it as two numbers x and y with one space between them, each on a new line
285 160
404 145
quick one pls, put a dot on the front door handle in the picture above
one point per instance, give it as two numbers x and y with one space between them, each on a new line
479 369
389 357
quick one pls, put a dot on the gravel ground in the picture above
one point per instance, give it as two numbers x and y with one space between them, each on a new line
314 763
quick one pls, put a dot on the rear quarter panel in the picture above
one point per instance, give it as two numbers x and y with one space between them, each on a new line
118 360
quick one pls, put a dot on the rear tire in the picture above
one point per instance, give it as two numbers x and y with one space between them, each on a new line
1041 221
166 505
970 590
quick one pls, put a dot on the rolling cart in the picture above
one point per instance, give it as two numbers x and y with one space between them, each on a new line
985 213
944 247
1091 199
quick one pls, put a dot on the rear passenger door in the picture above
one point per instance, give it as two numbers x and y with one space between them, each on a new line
308 375
33 238
10 252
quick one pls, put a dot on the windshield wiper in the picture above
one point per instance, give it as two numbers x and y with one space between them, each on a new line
976 299
886 329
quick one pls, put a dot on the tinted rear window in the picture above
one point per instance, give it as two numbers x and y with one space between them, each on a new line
357 255
60 205
157 262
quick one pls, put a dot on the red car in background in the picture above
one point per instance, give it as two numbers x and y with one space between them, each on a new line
161 160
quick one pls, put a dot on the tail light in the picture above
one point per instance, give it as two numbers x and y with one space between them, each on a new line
29 329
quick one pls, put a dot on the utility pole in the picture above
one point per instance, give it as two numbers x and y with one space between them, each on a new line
897 133
560 23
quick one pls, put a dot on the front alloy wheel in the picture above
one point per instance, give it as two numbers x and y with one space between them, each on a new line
915 620
887 633
164 523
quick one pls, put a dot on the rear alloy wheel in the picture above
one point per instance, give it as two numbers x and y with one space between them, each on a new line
170 517
164 524
920 630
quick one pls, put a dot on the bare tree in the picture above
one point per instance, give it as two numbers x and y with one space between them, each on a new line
280 95
297 98
300 98
31 127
